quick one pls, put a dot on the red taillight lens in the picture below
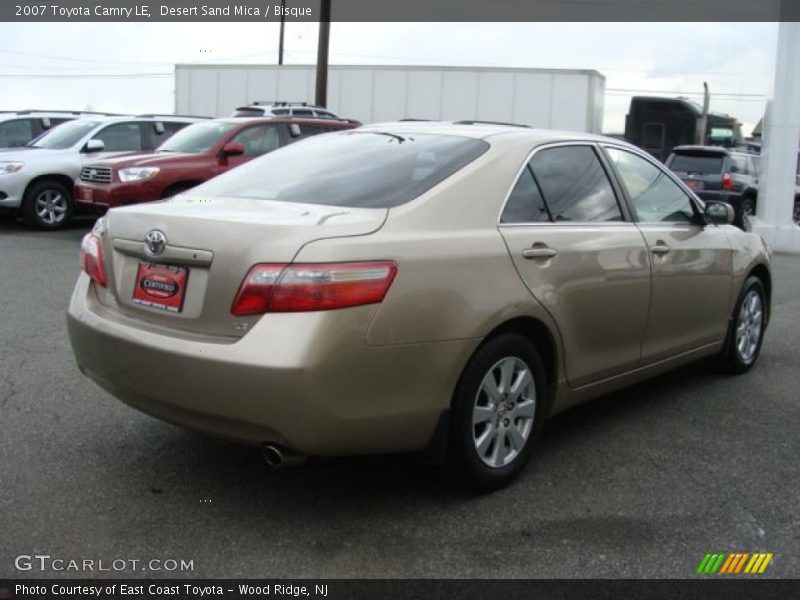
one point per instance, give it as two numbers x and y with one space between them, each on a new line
92 258
311 287
727 182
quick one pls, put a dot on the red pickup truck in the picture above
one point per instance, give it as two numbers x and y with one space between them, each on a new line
190 157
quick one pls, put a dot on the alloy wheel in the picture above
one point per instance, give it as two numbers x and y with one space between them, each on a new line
503 412
749 326
51 207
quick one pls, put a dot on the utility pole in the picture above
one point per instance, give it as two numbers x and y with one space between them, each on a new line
280 38
321 98
702 125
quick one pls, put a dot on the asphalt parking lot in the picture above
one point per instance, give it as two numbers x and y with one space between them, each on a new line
641 483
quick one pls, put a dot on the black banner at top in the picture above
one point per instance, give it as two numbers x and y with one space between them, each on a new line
400 10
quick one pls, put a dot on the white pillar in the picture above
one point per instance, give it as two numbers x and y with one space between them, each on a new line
781 136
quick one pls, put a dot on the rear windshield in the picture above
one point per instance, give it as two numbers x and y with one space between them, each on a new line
248 112
197 138
355 168
697 163
65 136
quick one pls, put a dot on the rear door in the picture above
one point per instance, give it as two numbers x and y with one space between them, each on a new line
581 257
691 262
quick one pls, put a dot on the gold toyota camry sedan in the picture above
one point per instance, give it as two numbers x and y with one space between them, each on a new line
414 287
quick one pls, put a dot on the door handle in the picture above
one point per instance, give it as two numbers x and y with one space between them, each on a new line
539 251
660 248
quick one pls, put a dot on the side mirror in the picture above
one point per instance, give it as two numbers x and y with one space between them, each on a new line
94 146
294 130
719 213
232 149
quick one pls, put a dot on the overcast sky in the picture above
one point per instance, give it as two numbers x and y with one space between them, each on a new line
127 67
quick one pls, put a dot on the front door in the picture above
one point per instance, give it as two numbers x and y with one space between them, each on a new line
691 262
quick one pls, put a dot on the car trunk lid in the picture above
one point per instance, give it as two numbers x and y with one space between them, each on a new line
211 243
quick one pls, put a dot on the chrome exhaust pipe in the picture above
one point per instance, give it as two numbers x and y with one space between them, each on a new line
278 458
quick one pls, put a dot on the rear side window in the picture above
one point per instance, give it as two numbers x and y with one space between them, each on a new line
574 185
15 133
357 169
308 130
121 137
525 204
700 164
258 140
739 164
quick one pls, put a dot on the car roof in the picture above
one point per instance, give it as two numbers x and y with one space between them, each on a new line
282 119
489 130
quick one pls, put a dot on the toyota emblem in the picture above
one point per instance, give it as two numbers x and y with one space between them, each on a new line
155 242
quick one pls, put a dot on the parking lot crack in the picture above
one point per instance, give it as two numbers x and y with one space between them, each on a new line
7 390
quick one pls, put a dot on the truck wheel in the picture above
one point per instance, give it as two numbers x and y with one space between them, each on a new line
498 413
47 205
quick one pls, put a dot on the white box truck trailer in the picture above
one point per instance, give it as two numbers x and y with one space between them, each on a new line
570 100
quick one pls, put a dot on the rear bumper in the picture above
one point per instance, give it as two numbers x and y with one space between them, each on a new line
105 196
305 381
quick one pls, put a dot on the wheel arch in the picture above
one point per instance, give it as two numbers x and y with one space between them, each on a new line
762 272
546 343
65 180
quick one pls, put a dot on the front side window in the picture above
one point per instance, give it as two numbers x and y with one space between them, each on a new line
120 137
574 185
258 140
654 196
15 133
65 136
362 169
197 138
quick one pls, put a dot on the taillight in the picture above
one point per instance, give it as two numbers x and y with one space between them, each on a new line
310 287
92 258
727 182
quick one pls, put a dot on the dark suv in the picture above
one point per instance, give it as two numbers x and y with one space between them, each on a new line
716 173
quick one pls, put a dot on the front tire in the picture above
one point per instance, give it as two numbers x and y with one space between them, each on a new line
746 329
498 412
48 205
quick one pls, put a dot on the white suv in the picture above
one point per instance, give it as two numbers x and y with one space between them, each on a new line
285 109
37 180
17 128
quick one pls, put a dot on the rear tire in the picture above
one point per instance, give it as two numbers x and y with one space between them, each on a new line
498 412
746 328
47 205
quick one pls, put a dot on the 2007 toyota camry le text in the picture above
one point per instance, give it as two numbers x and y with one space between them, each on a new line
414 287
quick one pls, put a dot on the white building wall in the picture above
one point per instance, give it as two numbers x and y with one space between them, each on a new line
556 99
